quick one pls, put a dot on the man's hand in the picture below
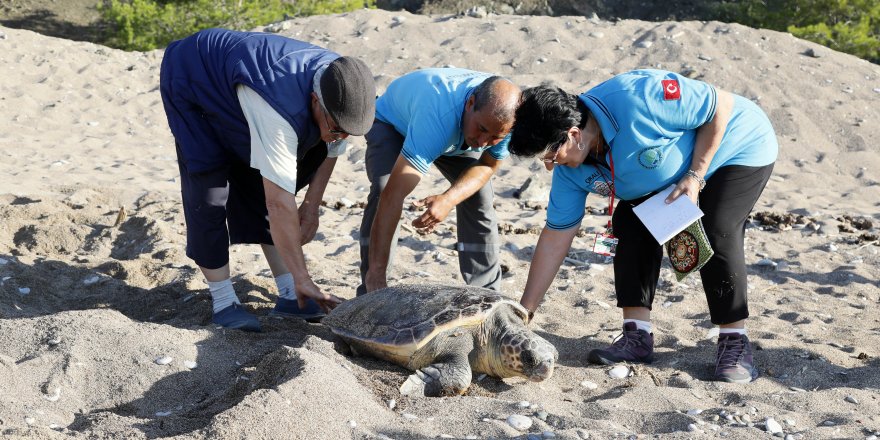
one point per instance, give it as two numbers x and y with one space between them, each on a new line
438 207
308 221
687 185
375 280
306 289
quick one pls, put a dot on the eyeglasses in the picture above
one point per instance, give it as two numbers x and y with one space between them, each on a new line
335 132
555 150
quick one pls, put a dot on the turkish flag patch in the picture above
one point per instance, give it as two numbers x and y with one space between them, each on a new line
671 90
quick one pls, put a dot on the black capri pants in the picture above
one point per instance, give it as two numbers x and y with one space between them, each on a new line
227 206
728 198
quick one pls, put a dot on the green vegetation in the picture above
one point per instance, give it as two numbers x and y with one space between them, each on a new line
851 26
150 24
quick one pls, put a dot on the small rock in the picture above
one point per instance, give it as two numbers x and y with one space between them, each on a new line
548 434
30 420
392 403
542 415
3 261
163 413
772 425
53 341
797 390
410 416
523 404
644 44
602 35
871 437
766 262
828 423
619 372
692 427
54 396
667 304
583 434
24 290
91 280
812 53
789 422
519 422
476 12
352 424
163 360
851 399
346 203
704 57
694 412
190 364
589 385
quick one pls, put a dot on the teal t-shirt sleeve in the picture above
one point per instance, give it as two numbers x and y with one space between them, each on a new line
567 200
680 104
499 151
424 143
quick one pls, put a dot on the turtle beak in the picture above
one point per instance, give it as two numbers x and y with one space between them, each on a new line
542 371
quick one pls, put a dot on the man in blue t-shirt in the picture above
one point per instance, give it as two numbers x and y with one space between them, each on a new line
458 120
256 117
627 138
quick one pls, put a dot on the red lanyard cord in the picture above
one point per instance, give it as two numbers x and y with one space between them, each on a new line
611 196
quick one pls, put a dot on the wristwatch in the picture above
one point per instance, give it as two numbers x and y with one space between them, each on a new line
696 177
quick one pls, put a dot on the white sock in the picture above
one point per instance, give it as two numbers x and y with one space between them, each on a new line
286 286
223 294
740 331
642 325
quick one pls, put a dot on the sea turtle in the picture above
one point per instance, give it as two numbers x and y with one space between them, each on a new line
444 334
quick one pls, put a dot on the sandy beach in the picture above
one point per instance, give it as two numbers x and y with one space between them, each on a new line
96 293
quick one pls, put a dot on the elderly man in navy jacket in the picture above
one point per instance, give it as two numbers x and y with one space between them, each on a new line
256 117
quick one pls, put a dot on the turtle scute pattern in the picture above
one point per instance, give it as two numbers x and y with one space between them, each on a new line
401 317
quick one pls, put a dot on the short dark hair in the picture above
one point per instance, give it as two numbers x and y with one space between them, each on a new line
543 119
487 94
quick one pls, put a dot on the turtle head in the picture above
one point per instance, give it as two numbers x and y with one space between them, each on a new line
521 352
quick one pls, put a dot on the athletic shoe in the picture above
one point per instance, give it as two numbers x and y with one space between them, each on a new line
633 345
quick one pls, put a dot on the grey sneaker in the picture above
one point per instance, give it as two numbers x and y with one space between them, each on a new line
633 345
734 361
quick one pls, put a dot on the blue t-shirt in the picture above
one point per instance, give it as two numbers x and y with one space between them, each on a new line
649 118
426 107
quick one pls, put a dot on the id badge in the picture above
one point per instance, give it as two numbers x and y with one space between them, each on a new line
605 244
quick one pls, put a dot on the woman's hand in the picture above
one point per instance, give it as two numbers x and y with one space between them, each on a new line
687 185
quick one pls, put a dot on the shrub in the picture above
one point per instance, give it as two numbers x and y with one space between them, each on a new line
851 26
150 24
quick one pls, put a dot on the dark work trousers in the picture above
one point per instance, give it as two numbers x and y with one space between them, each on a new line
478 239
729 196
228 205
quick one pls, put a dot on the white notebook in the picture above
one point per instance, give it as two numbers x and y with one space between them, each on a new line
664 221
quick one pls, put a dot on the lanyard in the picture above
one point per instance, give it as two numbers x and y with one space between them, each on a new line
611 196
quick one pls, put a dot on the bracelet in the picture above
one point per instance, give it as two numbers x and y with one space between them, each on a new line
695 176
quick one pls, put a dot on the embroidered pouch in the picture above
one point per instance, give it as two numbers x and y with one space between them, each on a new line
689 250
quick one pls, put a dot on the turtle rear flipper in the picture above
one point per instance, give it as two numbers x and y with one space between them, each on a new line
450 377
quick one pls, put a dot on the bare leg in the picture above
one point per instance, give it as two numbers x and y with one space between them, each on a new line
640 313
276 264
216 275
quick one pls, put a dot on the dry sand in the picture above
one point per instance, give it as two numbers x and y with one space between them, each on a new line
89 298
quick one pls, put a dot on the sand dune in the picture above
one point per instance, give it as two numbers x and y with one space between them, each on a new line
90 299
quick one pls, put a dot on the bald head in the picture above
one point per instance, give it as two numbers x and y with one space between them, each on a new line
499 97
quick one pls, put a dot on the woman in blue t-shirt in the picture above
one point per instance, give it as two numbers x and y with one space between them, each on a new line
629 138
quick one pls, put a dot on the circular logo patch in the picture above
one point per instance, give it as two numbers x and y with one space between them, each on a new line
685 252
650 157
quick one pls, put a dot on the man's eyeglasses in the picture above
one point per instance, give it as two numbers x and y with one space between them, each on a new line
335 132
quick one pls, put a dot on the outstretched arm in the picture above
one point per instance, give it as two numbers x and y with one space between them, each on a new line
467 184
403 179
285 230
708 140
553 246
308 209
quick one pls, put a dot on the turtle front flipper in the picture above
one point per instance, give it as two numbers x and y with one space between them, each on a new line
449 377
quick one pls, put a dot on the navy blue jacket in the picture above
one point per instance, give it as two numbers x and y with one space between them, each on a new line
198 79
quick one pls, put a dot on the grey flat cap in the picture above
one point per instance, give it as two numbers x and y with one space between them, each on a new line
349 95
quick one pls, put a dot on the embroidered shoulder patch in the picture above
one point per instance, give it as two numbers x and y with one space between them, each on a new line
671 90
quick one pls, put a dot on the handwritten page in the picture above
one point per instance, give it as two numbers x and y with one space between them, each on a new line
664 221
